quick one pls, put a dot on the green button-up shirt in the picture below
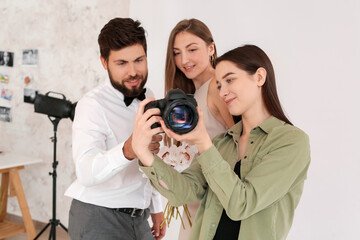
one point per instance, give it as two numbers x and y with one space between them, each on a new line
273 171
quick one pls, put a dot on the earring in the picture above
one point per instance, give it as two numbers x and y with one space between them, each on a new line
212 60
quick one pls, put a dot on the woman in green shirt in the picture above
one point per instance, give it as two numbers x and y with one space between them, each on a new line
249 178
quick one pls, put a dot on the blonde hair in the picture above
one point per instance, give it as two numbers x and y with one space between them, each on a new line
174 77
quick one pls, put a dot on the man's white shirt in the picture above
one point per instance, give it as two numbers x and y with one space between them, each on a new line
105 177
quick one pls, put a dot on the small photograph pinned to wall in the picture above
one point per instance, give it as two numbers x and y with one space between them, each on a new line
5 114
6 59
27 79
30 57
6 94
30 95
4 78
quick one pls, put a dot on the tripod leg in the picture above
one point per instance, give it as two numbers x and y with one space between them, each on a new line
61 225
52 234
43 230
51 229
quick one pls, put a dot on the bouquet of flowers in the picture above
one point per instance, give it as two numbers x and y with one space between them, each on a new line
179 158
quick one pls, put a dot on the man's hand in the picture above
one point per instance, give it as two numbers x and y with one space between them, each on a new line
154 146
157 231
128 150
144 139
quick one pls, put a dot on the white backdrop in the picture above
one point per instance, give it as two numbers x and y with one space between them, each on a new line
315 50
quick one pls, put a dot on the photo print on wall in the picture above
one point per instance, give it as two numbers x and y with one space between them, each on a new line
4 78
5 114
6 94
5 106
6 59
27 79
30 57
30 95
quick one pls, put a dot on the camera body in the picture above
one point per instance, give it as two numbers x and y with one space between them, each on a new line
178 110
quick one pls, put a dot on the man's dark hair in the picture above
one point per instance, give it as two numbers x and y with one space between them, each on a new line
119 33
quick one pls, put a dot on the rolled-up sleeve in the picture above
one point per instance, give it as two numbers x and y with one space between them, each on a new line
185 187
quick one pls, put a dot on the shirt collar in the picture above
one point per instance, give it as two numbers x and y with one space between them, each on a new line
271 123
266 127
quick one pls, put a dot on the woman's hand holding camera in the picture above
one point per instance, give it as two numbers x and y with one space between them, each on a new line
145 140
197 136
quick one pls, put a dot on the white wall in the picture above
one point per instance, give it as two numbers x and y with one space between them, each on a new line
315 50
65 33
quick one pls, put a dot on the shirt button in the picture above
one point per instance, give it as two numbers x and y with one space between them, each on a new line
245 157
213 225
152 173
251 142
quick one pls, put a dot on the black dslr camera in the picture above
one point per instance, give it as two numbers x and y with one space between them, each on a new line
178 110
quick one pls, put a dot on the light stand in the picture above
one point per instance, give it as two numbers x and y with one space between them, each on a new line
53 222
55 109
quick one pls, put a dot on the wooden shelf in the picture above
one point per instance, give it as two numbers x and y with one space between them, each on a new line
8 229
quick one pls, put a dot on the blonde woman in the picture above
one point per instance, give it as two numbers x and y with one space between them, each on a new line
190 60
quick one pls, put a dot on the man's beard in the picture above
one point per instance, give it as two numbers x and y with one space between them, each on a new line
134 91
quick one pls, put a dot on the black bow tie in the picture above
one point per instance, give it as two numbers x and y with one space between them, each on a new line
141 96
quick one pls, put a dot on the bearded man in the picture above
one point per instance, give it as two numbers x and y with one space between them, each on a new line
111 198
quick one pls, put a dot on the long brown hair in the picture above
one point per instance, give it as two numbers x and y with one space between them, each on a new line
249 58
174 77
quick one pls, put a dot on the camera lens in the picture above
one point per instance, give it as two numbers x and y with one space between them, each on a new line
181 118
178 110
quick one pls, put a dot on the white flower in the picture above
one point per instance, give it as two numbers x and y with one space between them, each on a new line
178 157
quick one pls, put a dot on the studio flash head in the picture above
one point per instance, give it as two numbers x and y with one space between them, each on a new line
54 107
